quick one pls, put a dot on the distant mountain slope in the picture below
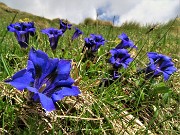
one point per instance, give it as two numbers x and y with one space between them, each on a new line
7 14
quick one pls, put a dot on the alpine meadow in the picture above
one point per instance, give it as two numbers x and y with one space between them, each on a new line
92 78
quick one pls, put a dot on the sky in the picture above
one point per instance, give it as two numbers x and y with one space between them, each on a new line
141 11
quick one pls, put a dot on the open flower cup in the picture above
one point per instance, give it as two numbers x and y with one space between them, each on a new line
159 65
120 58
64 26
22 31
76 34
125 42
94 42
91 46
53 35
48 79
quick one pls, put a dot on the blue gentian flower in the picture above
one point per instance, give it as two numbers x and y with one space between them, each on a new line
47 79
22 31
159 64
115 75
77 33
125 42
30 27
53 35
94 42
119 58
64 26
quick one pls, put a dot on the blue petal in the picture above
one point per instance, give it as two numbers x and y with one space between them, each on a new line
112 60
65 91
57 75
170 70
129 60
124 65
131 44
53 42
152 55
49 77
39 58
65 83
35 96
77 33
151 67
166 64
13 27
124 44
123 36
57 84
166 76
46 102
31 68
21 79
86 40
157 72
50 68
151 61
32 30
165 58
113 51
64 26
123 51
63 69
32 89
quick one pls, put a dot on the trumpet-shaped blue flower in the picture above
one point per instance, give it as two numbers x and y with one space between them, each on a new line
159 64
77 33
22 31
48 79
53 35
120 57
64 26
116 75
125 42
94 42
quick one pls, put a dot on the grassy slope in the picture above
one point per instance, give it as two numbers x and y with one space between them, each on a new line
127 106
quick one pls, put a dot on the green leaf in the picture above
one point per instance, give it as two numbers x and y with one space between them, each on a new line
166 97
161 88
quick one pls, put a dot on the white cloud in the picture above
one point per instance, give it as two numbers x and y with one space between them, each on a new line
142 11
152 11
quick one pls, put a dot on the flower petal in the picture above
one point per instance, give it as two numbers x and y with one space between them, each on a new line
113 51
65 83
46 102
63 69
124 65
166 64
112 60
152 55
32 89
77 33
30 68
123 36
65 91
170 70
39 58
166 76
128 61
21 79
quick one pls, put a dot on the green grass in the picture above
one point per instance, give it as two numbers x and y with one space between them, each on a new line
131 105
